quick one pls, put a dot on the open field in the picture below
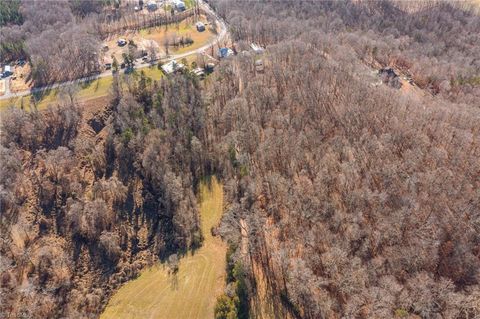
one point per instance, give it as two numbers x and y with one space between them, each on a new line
193 291
158 35
185 28
87 91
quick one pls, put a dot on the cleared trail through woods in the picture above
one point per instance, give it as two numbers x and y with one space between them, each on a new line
192 292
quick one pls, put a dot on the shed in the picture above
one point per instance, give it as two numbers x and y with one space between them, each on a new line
200 26
180 5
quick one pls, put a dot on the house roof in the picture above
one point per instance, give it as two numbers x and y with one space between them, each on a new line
199 71
179 3
225 52
172 66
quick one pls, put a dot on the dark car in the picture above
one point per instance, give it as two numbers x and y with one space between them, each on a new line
6 74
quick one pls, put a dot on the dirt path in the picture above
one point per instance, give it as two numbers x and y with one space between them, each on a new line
191 293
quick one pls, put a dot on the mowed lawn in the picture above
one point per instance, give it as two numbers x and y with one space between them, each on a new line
185 28
86 91
192 293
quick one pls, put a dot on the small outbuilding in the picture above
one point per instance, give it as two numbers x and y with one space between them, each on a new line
200 26
180 5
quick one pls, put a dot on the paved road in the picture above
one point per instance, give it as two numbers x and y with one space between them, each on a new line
220 36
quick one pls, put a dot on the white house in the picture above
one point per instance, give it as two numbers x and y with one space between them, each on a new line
172 67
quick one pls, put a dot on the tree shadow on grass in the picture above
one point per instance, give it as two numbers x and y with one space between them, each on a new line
90 83
38 96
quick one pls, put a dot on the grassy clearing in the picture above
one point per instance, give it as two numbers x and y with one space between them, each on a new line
193 291
184 28
87 91
43 100
153 72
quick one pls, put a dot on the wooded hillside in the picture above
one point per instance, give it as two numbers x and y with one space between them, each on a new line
361 201
347 197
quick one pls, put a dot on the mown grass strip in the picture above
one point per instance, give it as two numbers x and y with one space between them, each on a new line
193 291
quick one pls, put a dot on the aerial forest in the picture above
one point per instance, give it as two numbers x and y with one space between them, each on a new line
344 198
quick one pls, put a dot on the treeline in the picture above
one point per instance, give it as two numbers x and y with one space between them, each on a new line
359 201
10 12
134 21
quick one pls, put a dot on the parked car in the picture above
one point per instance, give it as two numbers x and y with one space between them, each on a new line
7 71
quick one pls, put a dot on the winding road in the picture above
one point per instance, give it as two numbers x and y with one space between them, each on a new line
220 36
